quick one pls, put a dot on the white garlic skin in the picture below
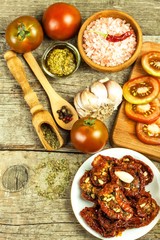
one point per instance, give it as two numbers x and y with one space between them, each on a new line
114 90
99 100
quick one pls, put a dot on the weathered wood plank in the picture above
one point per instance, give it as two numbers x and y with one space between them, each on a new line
16 127
26 215
147 17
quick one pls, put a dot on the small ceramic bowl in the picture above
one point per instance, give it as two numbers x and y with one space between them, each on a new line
61 59
114 14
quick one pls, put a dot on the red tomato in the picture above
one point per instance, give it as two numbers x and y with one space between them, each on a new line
149 133
24 34
89 135
141 90
144 113
151 63
61 21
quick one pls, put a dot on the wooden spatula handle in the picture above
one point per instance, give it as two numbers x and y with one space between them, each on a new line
32 62
16 68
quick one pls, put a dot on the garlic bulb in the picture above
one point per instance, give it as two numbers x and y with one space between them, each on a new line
99 100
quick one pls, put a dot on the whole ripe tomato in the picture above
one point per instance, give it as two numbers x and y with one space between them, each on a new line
61 21
151 63
141 90
89 135
24 34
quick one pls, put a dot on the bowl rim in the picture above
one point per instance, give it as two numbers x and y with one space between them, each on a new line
63 44
118 14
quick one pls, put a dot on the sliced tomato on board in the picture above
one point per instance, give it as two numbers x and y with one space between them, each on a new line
151 63
141 90
144 113
149 133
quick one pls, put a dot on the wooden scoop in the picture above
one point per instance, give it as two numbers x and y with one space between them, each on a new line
41 119
56 101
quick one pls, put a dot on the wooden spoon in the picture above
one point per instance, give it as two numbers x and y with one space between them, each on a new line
41 119
56 101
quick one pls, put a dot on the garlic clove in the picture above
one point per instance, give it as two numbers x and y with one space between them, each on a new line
124 176
100 91
82 113
77 101
103 80
79 107
89 100
115 93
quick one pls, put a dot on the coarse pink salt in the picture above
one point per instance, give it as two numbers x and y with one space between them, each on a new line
104 52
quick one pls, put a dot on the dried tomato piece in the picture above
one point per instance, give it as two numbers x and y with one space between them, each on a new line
114 203
130 189
136 164
135 222
147 208
100 171
89 192
100 159
90 215
111 227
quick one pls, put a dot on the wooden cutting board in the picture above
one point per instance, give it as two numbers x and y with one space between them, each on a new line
123 134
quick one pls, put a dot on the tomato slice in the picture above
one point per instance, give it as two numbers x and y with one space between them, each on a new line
149 133
144 113
141 90
151 63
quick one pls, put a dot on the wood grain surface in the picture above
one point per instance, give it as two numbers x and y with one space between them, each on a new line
124 130
24 214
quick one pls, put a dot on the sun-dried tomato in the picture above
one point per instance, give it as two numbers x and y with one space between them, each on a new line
118 205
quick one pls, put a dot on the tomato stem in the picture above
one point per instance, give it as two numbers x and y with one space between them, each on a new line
89 122
22 32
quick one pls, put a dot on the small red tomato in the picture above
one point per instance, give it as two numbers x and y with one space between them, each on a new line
89 135
24 34
61 21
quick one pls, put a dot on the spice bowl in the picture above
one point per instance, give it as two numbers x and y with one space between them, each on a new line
61 59
110 40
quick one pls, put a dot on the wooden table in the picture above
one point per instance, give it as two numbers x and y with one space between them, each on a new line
26 213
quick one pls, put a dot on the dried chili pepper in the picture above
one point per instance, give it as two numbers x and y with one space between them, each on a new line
115 38
118 38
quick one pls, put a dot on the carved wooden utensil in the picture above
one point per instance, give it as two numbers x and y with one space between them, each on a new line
56 101
42 120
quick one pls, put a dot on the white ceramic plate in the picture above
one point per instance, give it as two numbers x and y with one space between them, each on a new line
78 203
